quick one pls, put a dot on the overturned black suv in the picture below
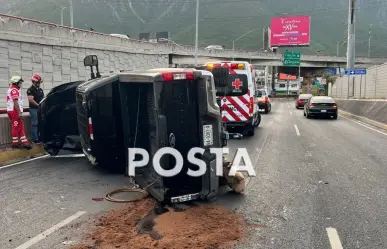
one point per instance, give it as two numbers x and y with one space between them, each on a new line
150 109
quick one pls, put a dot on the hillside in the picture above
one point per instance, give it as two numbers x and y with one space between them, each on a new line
221 21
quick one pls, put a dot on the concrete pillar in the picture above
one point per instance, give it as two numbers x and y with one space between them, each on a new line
266 77
273 72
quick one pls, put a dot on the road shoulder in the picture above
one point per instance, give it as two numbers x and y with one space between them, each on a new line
9 155
363 119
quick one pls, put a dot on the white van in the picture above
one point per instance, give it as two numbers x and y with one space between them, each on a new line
238 100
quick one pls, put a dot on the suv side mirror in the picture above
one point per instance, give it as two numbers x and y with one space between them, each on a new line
90 61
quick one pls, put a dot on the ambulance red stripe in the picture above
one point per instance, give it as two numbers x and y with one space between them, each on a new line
244 100
231 113
238 107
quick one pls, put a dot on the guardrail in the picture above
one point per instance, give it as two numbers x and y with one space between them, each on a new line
5 129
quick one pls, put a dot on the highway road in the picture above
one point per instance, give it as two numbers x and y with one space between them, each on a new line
320 184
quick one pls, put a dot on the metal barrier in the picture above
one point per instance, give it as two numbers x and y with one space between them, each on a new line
5 128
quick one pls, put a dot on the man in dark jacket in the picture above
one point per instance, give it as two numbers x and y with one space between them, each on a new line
35 94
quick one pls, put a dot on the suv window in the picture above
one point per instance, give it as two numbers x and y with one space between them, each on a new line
237 86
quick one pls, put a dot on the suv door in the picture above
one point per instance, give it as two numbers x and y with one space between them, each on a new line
57 119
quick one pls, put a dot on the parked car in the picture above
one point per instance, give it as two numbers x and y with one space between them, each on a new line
120 36
263 101
302 99
319 106
214 47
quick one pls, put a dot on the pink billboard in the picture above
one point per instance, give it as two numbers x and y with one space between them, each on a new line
290 31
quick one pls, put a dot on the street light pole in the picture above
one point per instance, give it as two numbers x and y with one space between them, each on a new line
71 13
369 42
337 48
351 35
233 43
197 33
61 15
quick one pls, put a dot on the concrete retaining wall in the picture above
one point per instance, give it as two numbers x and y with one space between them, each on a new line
372 85
371 109
57 54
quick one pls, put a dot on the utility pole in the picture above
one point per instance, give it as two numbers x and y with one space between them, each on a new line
71 13
351 35
369 41
197 33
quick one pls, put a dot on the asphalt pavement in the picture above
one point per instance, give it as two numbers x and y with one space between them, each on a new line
320 184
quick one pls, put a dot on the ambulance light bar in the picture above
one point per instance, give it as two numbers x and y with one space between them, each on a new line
238 66
169 76
211 66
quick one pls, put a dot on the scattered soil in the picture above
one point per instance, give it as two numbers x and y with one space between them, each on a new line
142 226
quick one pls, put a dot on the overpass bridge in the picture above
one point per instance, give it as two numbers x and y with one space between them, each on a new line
272 59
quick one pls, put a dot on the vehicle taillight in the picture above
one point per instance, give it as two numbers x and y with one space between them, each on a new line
91 129
266 99
169 76
312 105
251 109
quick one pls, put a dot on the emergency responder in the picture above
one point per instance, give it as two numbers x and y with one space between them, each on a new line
35 94
15 112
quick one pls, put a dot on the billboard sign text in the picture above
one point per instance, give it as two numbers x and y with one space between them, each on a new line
290 31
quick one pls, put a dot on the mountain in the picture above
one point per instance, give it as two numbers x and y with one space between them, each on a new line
220 22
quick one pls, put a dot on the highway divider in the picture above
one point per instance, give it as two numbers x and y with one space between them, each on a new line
373 112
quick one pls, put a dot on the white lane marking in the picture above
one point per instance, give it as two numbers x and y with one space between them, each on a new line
334 238
49 231
297 130
256 161
41 157
24 161
70 155
366 126
290 113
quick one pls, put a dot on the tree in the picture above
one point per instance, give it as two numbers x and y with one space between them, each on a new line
329 78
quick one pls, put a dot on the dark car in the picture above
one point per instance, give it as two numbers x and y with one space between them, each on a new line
302 99
263 101
320 106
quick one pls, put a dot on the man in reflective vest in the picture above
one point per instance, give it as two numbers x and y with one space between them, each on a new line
15 112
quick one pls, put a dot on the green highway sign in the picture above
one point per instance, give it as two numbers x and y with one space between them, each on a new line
292 59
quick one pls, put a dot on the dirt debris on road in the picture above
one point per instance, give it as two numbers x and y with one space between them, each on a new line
138 226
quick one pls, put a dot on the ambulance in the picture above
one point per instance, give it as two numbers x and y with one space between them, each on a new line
238 100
